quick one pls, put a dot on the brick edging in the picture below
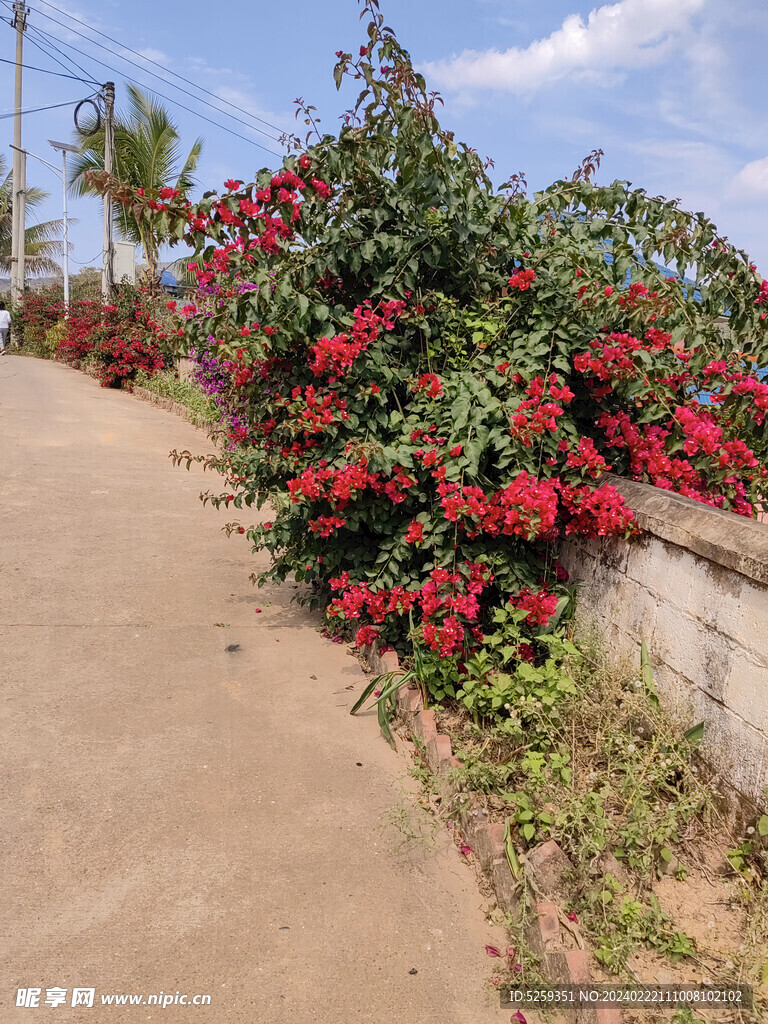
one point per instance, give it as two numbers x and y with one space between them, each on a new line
544 864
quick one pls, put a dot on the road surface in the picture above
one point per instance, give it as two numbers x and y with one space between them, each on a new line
177 817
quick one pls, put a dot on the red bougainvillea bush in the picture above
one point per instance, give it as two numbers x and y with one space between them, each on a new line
34 315
429 377
116 339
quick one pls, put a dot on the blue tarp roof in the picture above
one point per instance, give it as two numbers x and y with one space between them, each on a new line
668 274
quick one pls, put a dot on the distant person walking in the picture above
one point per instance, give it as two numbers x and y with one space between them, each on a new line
5 327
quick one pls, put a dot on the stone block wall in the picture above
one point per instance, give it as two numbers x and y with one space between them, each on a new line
694 586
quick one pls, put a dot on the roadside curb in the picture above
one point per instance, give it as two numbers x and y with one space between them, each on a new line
564 959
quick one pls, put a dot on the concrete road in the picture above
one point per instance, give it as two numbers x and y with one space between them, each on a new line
177 817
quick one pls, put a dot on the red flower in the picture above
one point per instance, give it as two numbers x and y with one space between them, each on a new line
456 450
414 534
522 280
366 635
430 384
540 606
321 188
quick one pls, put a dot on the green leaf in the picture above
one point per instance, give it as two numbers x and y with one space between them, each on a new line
460 412
646 674
695 734
511 853
364 695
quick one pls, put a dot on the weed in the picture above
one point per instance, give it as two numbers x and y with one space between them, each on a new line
167 385
685 1015
409 825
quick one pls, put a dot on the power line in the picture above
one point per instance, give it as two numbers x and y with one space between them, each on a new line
49 42
87 263
35 110
39 46
46 71
181 78
196 113
160 78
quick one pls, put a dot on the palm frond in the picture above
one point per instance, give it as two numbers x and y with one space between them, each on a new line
147 155
45 231
38 264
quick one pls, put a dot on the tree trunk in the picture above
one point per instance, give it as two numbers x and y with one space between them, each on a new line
151 274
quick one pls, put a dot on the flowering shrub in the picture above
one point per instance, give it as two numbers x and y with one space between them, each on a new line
34 316
85 326
429 376
119 360
116 339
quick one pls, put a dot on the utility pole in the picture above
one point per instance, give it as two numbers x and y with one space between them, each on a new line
108 270
18 215
64 148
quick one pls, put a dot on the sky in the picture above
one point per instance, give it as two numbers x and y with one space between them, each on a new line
673 91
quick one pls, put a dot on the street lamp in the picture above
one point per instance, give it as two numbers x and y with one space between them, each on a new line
65 148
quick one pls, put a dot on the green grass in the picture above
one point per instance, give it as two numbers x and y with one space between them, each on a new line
167 385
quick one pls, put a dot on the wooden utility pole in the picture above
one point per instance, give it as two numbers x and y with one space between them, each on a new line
18 214
108 269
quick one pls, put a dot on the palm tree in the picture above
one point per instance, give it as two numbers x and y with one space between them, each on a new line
40 241
147 155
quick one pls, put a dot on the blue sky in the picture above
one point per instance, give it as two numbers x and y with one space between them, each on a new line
672 90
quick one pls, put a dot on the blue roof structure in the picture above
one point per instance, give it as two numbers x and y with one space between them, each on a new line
669 274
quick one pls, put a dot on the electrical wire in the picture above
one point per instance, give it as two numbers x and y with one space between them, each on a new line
175 74
46 71
196 113
39 46
182 106
165 81
50 42
88 263
35 110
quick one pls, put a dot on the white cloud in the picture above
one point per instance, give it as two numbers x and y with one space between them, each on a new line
750 182
614 38
154 55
